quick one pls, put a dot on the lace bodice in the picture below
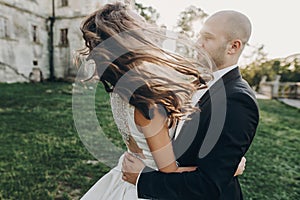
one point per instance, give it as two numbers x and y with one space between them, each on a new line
123 114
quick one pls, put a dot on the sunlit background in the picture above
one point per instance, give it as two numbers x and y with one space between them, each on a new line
275 23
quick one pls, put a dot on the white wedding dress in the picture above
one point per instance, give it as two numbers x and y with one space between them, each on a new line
111 186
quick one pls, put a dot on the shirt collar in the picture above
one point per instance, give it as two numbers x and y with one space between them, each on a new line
218 74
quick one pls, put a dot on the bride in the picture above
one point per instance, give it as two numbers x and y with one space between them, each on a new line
150 90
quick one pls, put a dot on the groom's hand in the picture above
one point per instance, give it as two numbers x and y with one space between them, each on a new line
131 168
241 168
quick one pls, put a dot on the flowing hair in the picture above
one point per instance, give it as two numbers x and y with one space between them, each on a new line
129 63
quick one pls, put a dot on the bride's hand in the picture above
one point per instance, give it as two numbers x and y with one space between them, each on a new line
186 169
131 168
241 167
134 147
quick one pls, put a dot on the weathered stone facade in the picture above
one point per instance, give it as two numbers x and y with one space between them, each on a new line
25 36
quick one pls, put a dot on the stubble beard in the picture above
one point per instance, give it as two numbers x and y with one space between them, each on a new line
218 56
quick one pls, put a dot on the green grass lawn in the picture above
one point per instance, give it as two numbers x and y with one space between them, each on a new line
42 157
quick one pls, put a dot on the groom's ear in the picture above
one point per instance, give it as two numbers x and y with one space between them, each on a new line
235 46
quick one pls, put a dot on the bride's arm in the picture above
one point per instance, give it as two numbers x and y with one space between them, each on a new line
156 132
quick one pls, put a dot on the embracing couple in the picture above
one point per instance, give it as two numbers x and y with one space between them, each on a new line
186 129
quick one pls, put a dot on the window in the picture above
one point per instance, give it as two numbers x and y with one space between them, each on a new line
64 3
3 27
34 33
64 37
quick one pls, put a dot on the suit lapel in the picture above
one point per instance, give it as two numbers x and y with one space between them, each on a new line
231 75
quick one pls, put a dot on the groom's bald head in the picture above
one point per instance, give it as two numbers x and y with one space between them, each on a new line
224 36
235 24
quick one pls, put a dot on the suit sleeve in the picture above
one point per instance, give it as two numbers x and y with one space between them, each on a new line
216 169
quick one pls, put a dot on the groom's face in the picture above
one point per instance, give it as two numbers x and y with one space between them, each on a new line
213 40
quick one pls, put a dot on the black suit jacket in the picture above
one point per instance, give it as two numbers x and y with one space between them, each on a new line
214 140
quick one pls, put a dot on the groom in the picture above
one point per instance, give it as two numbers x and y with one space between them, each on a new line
216 138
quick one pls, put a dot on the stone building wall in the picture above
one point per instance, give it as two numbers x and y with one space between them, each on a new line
24 36
18 47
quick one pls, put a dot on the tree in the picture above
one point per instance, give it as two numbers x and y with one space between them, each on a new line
148 12
188 18
254 71
289 70
255 54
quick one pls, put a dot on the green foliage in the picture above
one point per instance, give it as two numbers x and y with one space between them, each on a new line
42 157
254 72
288 70
148 12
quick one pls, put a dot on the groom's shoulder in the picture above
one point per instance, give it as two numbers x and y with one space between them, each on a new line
241 89
240 86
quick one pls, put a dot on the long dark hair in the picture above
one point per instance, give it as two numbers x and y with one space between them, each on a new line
153 76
